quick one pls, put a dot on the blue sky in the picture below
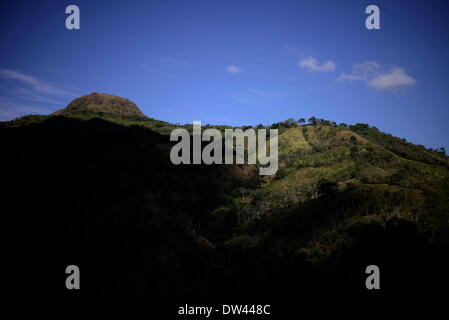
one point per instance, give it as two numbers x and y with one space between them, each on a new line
235 62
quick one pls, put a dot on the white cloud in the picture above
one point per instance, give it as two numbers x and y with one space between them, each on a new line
233 69
375 76
313 64
392 80
361 71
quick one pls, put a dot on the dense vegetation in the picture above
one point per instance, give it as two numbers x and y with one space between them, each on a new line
102 193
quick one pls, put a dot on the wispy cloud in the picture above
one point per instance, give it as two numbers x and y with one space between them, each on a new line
24 94
375 76
233 69
31 81
313 65
361 71
30 95
291 49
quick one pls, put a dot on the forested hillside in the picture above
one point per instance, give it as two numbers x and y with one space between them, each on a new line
99 190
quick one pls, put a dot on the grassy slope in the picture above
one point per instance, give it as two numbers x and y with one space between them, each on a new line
377 178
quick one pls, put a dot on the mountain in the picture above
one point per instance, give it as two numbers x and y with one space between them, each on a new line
99 189
109 107
102 104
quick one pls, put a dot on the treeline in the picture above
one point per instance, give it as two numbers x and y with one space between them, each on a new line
361 128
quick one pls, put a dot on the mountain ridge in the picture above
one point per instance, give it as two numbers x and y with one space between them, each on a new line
110 193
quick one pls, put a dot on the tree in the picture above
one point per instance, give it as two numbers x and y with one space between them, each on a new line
313 120
276 125
289 123
301 121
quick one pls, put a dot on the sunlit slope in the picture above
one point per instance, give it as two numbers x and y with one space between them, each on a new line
347 157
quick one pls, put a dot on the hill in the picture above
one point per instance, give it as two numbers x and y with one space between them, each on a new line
109 107
102 104
99 190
